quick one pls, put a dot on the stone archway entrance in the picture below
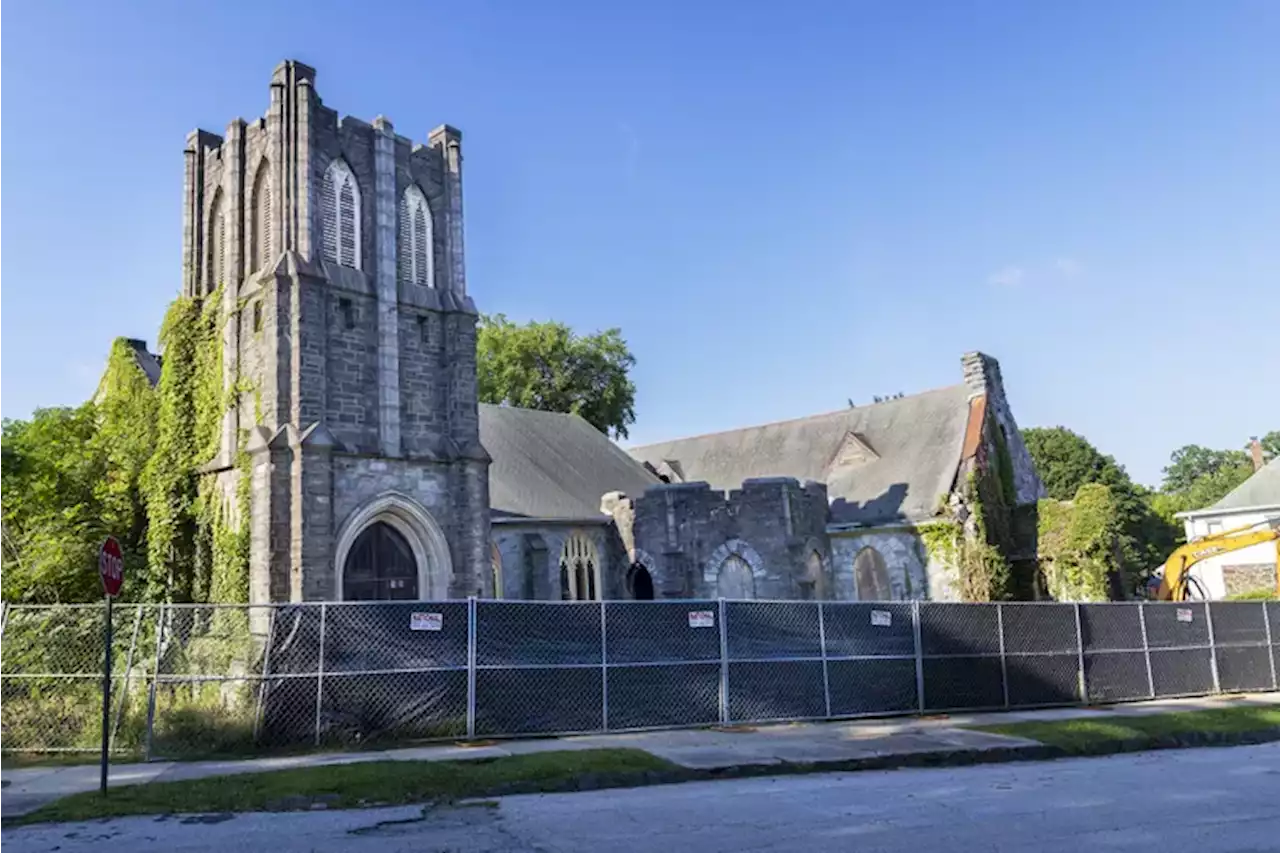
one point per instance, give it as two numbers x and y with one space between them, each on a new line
392 549
380 566
640 583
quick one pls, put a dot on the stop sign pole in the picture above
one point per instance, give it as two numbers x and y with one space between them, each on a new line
111 570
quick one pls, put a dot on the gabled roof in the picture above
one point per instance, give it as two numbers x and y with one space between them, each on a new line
890 461
549 465
1260 490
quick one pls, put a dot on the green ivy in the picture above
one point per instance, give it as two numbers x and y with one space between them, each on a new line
1079 544
196 552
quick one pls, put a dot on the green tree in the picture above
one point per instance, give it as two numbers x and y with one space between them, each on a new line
1192 464
1066 461
546 366
54 519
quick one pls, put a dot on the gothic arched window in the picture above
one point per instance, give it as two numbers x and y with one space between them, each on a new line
415 245
735 579
380 566
217 244
340 216
871 576
260 253
579 569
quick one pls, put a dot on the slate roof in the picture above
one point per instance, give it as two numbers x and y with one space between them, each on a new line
915 445
548 465
1262 489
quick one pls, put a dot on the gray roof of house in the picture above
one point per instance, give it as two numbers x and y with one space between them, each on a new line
148 361
1262 489
548 465
915 445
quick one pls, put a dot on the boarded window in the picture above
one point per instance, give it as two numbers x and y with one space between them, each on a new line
871 576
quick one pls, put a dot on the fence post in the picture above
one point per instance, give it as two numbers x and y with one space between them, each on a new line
915 631
1271 652
471 668
604 668
1084 683
1004 663
266 671
1146 647
128 669
1213 647
822 639
320 673
724 667
161 623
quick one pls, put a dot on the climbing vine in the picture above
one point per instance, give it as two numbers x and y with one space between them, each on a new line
1079 544
197 545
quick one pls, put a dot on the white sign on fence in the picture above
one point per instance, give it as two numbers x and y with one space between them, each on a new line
426 622
1185 614
702 618
881 618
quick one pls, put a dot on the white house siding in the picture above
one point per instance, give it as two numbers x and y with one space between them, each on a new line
1260 559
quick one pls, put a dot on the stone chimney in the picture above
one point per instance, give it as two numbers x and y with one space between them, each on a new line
1255 450
982 375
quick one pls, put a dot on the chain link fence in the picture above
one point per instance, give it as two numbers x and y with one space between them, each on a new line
198 681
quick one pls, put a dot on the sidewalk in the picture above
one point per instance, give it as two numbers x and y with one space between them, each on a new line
26 789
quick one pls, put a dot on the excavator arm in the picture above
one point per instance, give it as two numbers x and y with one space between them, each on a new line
1173 584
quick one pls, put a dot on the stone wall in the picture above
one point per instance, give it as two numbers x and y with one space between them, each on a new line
684 533
530 553
909 572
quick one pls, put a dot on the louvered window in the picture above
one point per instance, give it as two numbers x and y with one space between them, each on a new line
262 217
340 216
217 265
415 249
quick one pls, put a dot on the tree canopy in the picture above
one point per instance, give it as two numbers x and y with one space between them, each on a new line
547 366
1066 461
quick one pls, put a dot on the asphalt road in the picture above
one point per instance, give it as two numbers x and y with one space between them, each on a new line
1203 800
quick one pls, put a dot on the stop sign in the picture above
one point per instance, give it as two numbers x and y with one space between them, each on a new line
111 567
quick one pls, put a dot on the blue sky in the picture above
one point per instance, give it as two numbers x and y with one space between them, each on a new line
783 206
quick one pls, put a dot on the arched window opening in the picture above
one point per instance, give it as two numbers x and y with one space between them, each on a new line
260 251
415 246
340 216
380 566
579 569
495 565
735 579
217 245
812 585
870 576
640 583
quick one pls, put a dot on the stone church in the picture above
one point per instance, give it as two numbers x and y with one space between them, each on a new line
376 474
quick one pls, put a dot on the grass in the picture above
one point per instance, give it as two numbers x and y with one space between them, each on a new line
1254 595
1098 732
364 784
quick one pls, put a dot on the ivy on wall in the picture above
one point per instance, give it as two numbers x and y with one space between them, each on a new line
1080 544
197 544
976 534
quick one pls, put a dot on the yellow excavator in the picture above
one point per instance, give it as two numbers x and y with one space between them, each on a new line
1176 582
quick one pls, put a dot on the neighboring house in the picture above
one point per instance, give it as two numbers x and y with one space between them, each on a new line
1255 501
349 358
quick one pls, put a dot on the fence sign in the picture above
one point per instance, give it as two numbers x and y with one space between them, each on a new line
881 618
426 622
1185 614
702 618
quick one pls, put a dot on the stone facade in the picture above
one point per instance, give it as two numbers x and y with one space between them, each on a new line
336 246
356 385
